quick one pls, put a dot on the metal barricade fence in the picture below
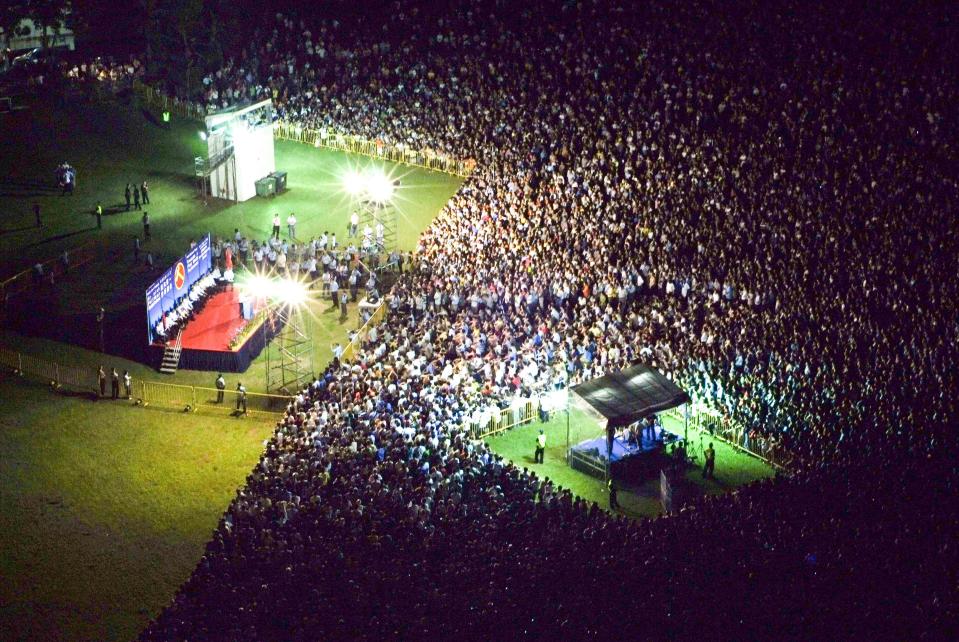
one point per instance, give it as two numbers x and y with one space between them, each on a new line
193 398
209 399
38 368
349 352
155 393
516 415
426 159
76 377
170 395
732 433
10 359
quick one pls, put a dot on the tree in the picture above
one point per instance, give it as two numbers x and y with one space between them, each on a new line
48 16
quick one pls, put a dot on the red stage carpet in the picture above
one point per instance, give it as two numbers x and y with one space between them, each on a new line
213 328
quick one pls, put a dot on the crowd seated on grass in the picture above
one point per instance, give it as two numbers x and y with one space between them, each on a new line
766 217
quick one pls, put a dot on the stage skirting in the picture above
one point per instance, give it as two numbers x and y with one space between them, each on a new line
237 360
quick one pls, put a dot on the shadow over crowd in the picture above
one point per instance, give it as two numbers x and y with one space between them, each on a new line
762 206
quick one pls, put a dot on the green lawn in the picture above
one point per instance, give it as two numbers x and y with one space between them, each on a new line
105 508
733 468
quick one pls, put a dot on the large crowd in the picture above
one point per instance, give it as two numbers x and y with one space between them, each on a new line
762 206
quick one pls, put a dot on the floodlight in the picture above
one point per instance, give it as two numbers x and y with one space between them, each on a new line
379 188
289 292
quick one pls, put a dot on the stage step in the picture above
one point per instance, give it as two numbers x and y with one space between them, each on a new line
171 360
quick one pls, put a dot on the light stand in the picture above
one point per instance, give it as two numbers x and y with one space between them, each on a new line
290 354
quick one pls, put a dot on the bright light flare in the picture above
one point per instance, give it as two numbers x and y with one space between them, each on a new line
257 286
289 292
353 182
379 188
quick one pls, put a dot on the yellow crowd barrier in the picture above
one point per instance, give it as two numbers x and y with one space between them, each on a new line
424 158
349 352
197 398
516 415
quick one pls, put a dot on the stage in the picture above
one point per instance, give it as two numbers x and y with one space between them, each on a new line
207 337
596 448
628 461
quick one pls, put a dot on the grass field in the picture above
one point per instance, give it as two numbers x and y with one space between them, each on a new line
105 508
733 468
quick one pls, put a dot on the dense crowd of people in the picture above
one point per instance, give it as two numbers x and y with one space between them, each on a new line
761 206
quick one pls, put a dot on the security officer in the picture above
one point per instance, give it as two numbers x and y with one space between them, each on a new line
613 499
540 447
241 397
220 387
710 465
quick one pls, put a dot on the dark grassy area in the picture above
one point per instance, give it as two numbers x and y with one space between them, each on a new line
105 508
641 499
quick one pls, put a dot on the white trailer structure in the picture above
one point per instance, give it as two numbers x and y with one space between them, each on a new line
239 152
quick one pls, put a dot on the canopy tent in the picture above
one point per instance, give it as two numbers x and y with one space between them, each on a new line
629 395
624 397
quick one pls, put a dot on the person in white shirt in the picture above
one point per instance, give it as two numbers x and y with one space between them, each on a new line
291 225
276 226
354 223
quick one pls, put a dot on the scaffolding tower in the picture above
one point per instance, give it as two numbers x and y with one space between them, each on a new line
289 356
373 213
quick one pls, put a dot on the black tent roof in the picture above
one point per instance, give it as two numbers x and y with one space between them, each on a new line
631 394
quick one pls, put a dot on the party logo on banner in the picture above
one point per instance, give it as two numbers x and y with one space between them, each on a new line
179 275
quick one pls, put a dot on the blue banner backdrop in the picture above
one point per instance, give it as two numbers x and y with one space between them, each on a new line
175 283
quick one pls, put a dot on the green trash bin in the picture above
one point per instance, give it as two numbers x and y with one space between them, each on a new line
280 181
266 187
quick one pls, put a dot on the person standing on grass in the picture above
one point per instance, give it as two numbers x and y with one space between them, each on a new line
710 464
128 384
36 214
136 198
613 496
276 226
240 397
127 195
145 193
99 216
354 224
291 225
540 453
115 383
146 226
344 298
102 380
334 290
220 387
